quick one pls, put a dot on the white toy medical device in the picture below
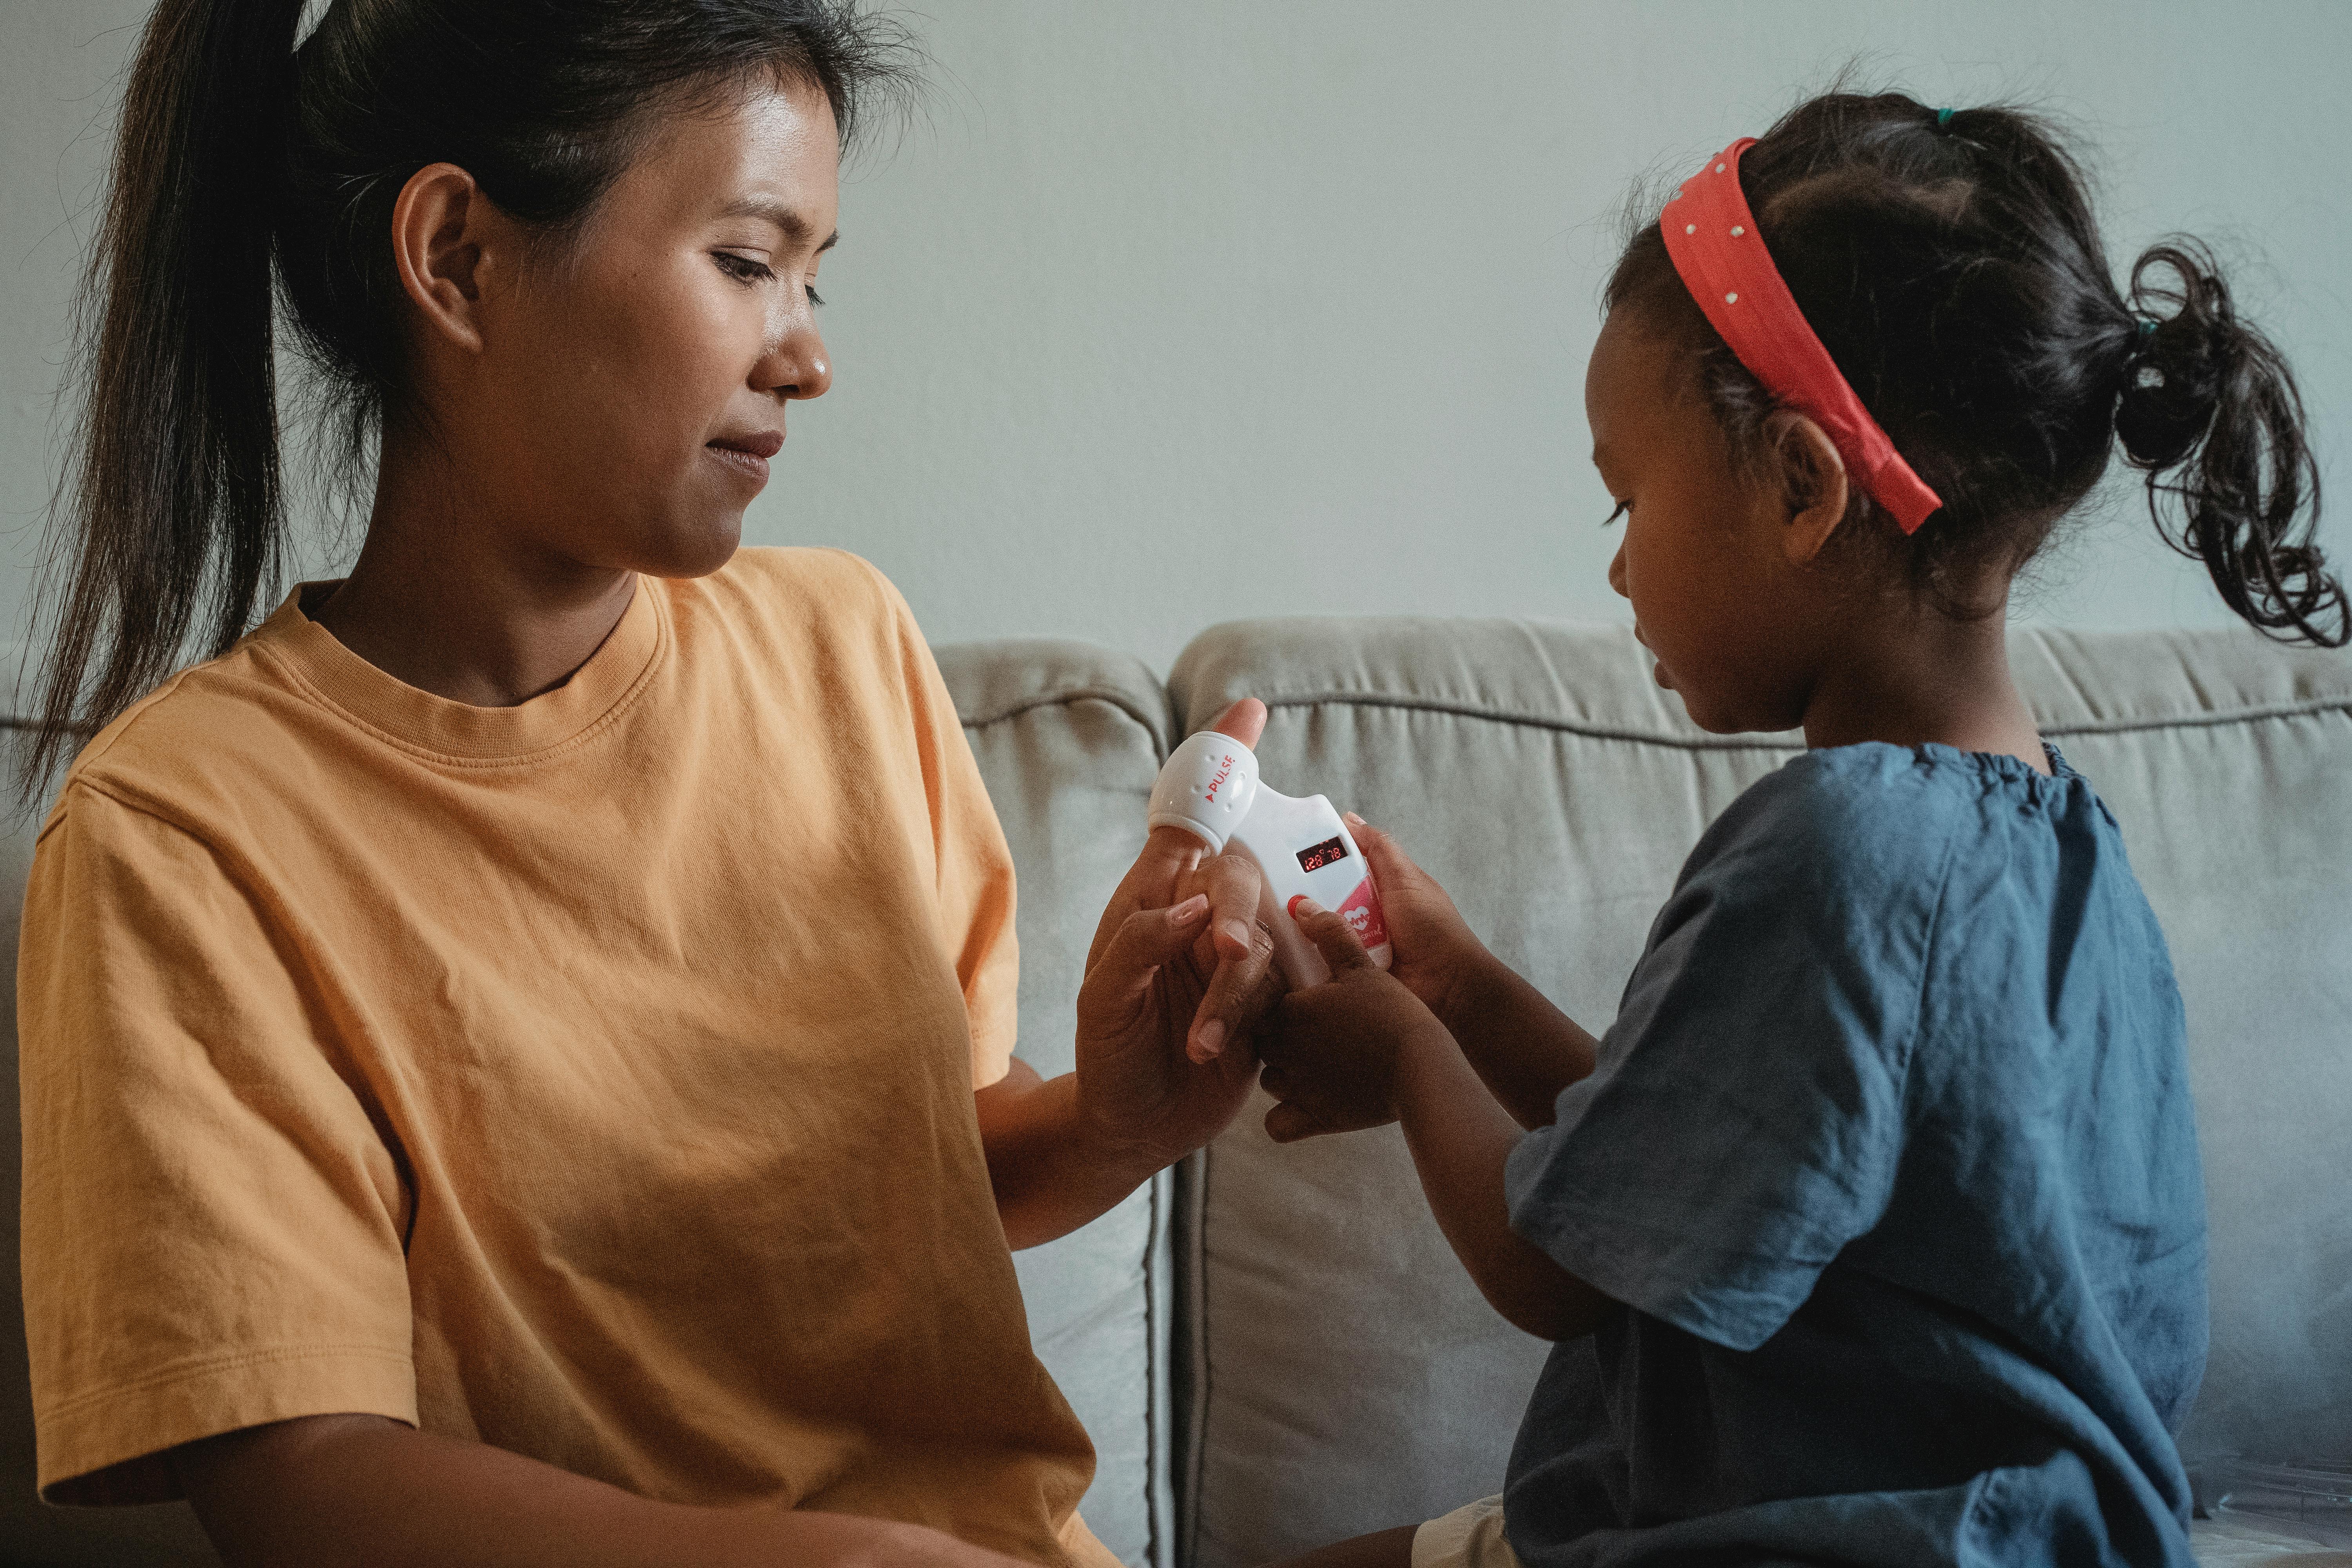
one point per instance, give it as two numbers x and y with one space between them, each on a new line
1210 787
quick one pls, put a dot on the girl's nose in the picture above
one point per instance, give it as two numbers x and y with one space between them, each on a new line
1617 572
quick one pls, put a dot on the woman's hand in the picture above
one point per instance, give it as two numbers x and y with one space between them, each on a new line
1179 975
1331 1051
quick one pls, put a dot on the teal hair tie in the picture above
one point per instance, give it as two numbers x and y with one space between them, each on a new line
1943 118
2147 326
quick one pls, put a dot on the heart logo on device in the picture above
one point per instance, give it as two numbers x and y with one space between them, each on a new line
1362 913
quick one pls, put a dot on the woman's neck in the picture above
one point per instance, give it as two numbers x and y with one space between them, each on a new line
1925 678
445 599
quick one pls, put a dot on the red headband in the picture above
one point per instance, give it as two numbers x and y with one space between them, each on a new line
1711 236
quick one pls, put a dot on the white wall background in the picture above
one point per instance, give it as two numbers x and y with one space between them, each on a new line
1177 314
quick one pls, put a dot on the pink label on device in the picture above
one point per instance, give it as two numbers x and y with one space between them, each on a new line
1362 913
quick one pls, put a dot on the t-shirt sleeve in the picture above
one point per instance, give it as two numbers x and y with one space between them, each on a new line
1745 1117
976 893
212 1225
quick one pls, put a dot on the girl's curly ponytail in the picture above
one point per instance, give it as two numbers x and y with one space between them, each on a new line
2208 409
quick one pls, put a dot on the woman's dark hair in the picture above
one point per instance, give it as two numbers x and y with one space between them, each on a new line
1951 265
254 181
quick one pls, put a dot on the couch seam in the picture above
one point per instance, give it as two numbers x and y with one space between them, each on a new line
1105 695
1711 744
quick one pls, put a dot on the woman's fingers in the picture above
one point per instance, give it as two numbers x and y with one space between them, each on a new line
1237 990
1235 889
1169 855
1243 720
1144 942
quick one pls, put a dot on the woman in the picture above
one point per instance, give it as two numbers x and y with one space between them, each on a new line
516 1049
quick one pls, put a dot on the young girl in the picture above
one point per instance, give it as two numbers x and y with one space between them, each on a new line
516 1050
1872 1231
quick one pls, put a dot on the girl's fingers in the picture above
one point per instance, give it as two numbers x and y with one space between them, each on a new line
1287 1125
1331 934
1392 867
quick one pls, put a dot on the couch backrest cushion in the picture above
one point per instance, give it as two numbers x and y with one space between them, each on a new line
1345 1376
1069 738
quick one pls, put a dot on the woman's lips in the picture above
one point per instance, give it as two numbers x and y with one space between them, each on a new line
748 455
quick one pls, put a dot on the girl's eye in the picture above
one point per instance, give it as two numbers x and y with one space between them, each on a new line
1622 508
743 268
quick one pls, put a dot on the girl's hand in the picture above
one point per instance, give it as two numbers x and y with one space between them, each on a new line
1433 947
1331 1051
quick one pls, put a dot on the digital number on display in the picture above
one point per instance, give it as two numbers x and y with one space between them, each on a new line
1316 856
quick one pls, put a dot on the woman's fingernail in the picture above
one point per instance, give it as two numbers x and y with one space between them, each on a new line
1192 909
1236 932
1355 821
1301 905
1210 1038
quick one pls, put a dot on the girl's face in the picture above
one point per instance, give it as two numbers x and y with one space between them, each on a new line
1703 558
629 394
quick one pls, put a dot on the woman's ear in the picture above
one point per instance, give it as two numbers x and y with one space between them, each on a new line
1813 484
440 227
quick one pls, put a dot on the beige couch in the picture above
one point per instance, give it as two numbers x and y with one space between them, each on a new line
1271 1346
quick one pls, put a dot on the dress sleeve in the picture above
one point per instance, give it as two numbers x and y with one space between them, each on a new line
1745 1117
977 897
212 1224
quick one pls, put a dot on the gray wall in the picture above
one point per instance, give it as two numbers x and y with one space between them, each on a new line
1175 313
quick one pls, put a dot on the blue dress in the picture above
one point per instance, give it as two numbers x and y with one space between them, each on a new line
1889 1158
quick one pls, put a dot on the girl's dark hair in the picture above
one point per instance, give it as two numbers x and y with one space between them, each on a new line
1951 265
255 181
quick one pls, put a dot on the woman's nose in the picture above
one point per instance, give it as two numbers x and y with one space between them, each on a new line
798 366
1617 572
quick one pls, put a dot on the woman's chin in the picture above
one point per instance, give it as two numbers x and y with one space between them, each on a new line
695 549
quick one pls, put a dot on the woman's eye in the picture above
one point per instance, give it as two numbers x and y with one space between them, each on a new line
743 268
815 298
1622 508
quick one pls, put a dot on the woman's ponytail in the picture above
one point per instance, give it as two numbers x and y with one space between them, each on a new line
250 178
170 520
2210 410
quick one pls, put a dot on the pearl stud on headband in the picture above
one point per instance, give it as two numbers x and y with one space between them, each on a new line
1711 238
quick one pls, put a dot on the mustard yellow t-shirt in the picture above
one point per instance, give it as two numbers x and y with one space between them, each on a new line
592 1077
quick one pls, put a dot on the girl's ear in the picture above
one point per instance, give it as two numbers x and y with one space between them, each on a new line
441 226
1813 484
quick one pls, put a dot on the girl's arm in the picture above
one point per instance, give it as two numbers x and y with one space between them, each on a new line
364 1491
1524 1049
1459 1134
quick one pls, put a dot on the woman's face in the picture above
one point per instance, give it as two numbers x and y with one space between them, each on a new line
1702 560
631 390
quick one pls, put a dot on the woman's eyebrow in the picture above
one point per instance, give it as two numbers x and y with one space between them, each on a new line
795 227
